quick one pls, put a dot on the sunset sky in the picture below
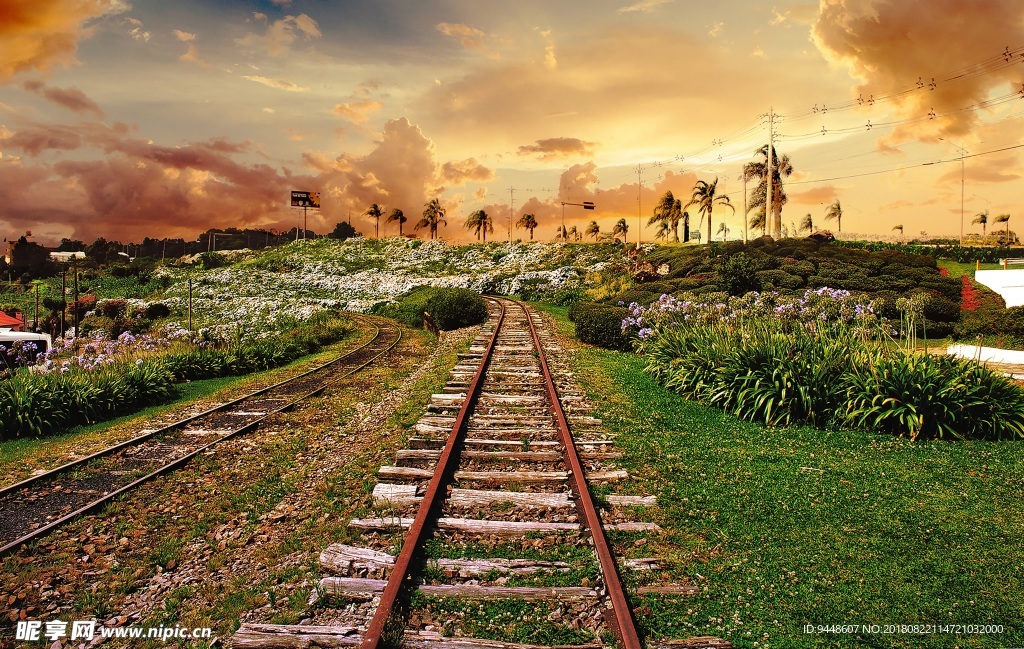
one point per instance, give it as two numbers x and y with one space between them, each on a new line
156 118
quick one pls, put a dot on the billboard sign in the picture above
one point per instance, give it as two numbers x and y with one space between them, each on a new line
305 199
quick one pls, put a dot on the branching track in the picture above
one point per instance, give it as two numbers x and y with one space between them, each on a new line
36 506
502 537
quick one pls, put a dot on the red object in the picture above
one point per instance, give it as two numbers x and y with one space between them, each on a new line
9 321
968 295
944 272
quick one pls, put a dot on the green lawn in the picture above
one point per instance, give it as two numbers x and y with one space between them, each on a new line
794 526
957 269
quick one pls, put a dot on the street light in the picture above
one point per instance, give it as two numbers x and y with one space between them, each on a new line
587 205
963 152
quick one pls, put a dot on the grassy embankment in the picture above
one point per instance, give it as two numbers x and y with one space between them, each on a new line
783 527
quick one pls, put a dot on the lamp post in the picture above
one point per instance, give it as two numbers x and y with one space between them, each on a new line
587 205
963 152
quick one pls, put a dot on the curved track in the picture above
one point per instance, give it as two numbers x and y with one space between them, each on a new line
36 506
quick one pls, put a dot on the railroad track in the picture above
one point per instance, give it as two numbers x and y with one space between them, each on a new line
42 503
501 543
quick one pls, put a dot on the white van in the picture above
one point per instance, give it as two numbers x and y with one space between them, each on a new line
8 337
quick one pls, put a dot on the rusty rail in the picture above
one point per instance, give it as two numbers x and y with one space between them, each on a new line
622 616
432 499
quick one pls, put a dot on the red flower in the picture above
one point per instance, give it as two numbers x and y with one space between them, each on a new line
968 296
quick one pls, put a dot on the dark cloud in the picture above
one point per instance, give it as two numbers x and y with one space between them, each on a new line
71 98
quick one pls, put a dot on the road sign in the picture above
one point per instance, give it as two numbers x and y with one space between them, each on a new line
305 199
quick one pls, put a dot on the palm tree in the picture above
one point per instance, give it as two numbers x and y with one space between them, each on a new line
982 218
834 212
621 227
1004 218
433 214
398 215
781 168
669 211
900 228
705 198
663 231
574 233
807 224
528 221
593 230
479 221
375 212
723 230
759 221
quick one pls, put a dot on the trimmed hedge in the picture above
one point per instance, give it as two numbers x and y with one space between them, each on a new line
600 324
451 308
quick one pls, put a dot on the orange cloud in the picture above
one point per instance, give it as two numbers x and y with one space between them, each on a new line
468 170
358 112
558 147
38 36
280 84
891 44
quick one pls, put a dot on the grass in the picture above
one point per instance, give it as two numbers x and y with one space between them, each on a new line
782 527
957 269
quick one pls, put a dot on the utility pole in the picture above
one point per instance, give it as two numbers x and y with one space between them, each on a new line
744 209
63 298
768 203
74 266
35 318
639 194
512 211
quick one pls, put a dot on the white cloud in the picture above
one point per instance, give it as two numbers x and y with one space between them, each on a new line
280 84
643 6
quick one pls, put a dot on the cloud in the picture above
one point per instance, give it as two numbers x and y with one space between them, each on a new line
558 147
889 44
643 6
38 36
71 98
281 34
803 14
280 84
358 112
995 169
136 30
469 37
469 170
184 37
191 55
716 29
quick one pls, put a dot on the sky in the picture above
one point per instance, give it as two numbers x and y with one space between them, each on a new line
148 118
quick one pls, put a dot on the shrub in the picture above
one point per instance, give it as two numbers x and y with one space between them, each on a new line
112 309
408 307
739 275
600 324
157 310
455 308
779 279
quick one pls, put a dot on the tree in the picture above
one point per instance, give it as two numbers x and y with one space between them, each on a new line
982 218
723 230
593 230
479 221
759 221
621 227
807 224
781 168
663 231
375 212
574 233
433 215
898 227
705 197
669 211
561 234
528 222
398 215
342 231
835 213
1004 218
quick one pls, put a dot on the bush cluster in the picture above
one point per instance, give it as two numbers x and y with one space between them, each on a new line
600 324
36 404
451 308
761 368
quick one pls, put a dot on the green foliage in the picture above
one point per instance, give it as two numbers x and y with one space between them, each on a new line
600 324
923 395
774 279
455 308
451 308
739 275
